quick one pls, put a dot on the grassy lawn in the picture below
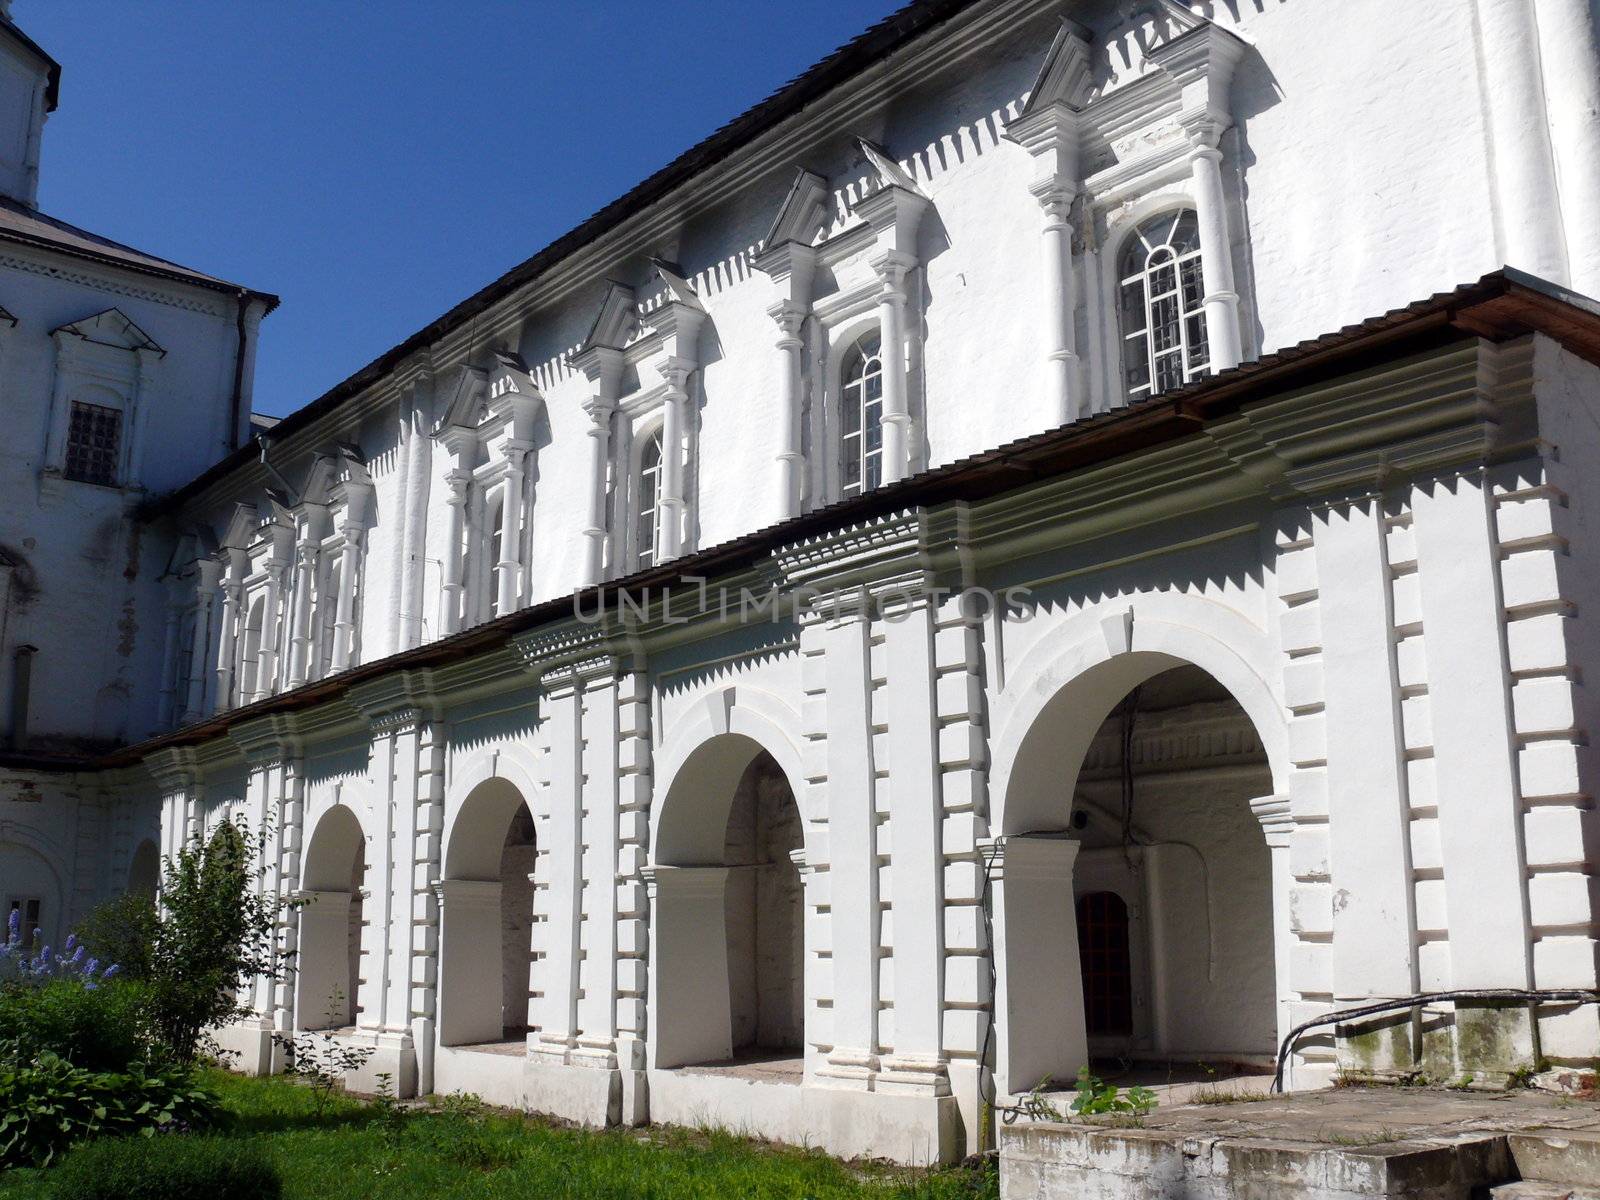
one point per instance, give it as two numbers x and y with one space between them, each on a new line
348 1150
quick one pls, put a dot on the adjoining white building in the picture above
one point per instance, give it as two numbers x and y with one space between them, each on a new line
914 594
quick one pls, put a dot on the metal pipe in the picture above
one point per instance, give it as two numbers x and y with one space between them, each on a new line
1507 995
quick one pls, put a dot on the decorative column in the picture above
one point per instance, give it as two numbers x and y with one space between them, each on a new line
894 212
451 593
508 571
344 612
675 371
307 555
232 592
208 570
282 535
789 257
600 412
1216 248
170 681
790 318
1063 403
892 267
1048 129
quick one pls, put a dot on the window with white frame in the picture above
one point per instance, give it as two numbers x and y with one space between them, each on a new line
647 526
493 545
94 442
861 416
1163 312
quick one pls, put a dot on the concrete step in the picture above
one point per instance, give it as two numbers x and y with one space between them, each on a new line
1567 1156
1541 1189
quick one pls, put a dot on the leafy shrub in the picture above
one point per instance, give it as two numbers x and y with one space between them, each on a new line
101 1028
167 1168
215 930
122 931
47 1105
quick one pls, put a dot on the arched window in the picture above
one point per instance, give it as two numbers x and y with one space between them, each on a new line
1163 317
492 545
327 617
647 530
250 652
861 417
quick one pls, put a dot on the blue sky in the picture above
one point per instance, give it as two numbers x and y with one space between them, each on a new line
373 163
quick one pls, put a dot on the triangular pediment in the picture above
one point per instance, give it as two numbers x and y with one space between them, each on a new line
677 286
616 322
512 390
1067 74
889 172
802 214
466 396
197 542
242 526
111 327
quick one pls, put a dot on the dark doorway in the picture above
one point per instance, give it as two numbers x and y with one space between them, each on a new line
1107 964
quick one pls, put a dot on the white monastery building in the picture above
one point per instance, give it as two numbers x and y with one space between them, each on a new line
1070 529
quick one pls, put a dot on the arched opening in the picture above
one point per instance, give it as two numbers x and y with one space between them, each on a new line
648 512
1135 896
1106 959
329 964
861 416
487 919
728 965
144 870
250 650
1163 316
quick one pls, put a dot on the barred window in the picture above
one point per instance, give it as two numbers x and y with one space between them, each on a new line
94 437
861 417
1163 310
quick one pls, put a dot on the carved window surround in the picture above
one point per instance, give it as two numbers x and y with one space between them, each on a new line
106 360
1111 150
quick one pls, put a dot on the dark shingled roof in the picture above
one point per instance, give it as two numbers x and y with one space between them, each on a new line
30 227
1504 305
881 40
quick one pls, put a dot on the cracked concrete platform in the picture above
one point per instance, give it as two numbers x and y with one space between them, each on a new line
1416 1143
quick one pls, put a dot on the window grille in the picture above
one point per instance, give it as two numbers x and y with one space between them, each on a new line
861 417
1163 313
94 436
1106 961
647 534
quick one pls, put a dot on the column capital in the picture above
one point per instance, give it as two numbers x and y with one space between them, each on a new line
675 371
599 409
892 267
789 316
1055 194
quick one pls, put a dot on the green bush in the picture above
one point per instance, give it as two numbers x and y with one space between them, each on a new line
123 931
48 1104
98 1028
166 1168
217 929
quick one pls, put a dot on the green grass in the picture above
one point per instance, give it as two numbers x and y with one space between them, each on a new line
348 1150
